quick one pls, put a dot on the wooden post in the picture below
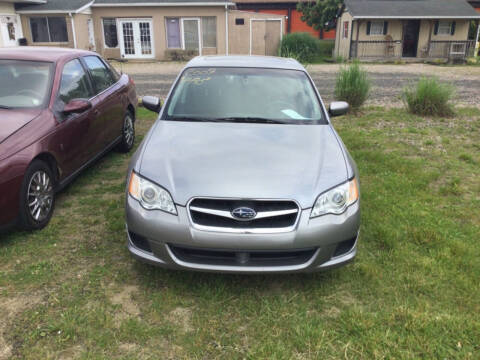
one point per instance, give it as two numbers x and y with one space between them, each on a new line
356 41
429 38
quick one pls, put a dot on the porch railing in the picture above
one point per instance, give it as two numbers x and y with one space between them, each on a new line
376 49
385 49
451 49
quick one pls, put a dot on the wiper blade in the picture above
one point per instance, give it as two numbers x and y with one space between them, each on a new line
5 107
190 118
258 120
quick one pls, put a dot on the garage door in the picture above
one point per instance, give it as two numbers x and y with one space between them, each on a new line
265 36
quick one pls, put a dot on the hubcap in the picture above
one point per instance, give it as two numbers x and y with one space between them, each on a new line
40 195
128 130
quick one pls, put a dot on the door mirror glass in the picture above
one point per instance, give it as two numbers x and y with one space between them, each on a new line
152 103
77 106
338 108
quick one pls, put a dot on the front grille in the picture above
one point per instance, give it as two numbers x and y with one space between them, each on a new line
216 215
242 258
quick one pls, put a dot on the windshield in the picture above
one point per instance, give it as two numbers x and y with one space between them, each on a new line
24 84
244 95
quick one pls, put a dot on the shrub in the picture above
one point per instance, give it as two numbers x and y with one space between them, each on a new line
325 48
300 46
353 85
180 55
429 97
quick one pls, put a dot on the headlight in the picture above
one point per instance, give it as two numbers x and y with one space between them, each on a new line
336 200
150 195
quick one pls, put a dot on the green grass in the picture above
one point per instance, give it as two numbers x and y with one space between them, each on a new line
73 291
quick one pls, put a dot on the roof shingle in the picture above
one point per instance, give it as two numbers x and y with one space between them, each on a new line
410 9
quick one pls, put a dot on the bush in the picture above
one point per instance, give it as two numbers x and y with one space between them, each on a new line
352 85
429 97
180 55
300 46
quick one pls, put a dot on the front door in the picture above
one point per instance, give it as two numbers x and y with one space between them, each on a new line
10 30
136 40
410 38
191 34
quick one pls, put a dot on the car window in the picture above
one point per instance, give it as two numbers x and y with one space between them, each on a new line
74 83
24 83
102 77
245 94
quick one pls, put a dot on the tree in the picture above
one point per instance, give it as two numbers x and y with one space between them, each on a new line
321 14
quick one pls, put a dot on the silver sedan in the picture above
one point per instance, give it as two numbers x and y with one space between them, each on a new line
243 172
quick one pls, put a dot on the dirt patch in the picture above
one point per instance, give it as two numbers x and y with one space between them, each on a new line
9 308
182 317
72 352
125 300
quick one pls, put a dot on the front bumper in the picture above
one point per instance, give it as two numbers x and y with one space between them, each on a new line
162 232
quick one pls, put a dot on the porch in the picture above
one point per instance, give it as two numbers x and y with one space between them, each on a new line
397 49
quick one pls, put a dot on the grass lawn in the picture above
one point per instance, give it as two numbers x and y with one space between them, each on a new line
73 291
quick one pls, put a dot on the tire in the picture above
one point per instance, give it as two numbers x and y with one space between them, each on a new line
37 196
128 133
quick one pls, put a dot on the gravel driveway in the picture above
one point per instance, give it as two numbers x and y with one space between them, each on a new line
387 80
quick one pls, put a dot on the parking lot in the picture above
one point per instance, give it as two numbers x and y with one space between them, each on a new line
388 80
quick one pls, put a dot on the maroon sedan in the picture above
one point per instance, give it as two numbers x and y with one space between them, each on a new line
60 110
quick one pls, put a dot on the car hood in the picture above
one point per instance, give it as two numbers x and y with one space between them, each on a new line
241 160
11 120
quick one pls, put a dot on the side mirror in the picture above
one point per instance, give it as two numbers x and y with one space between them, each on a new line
338 108
77 106
152 103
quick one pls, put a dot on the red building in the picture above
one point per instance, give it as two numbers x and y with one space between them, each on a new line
288 8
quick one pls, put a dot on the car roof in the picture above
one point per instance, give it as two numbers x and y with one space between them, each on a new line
41 53
253 61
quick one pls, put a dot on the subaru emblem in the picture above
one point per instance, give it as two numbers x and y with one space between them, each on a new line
244 213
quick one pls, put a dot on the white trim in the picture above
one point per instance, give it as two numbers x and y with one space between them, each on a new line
91 34
135 28
199 33
266 19
74 11
74 33
226 29
416 17
84 7
165 4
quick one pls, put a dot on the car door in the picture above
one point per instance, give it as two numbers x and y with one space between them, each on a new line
73 134
108 104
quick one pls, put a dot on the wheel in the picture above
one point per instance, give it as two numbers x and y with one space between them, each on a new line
37 197
128 133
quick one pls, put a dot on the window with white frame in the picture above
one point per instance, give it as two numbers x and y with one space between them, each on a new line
444 28
345 29
49 29
110 32
376 27
209 31
175 32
